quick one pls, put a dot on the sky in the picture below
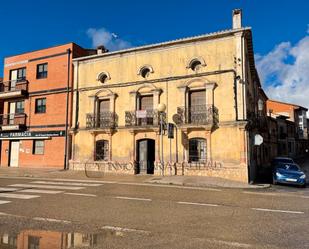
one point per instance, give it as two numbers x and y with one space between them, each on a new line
280 31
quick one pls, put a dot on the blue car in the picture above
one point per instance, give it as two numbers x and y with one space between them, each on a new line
289 173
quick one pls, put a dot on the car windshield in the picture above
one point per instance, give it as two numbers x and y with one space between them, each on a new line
287 166
283 160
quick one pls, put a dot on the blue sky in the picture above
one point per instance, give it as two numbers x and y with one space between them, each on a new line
30 25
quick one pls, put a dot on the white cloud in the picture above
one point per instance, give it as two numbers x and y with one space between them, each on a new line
284 72
104 37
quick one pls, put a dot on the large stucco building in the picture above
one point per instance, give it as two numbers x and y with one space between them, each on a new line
211 90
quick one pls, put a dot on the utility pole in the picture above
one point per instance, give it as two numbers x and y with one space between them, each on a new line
66 159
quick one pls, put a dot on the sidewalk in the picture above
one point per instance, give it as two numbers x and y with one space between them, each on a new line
192 181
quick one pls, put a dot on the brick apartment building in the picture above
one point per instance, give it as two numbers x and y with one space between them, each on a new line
34 96
292 127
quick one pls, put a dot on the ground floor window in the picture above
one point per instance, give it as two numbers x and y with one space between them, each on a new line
197 150
38 147
101 150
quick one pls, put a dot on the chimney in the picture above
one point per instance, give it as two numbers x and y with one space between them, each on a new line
101 49
237 19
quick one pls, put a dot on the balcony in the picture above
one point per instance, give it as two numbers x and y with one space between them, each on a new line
142 118
13 122
198 115
103 120
13 88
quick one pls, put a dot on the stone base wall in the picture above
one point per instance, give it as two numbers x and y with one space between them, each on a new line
231 171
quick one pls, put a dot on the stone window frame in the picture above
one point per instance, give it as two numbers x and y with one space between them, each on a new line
197 59
146 90
104 94
197 85
142 70
103 77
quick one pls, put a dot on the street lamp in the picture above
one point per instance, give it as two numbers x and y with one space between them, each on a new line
161 110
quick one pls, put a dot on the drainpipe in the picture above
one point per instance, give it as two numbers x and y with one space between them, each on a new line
66 161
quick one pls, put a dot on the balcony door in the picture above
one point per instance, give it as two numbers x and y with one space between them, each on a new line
146 104
197 106
12 107
103 113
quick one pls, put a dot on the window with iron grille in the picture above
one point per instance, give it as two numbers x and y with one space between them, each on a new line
38 147
41 71
197 111
101 150
33 242
40 105
197 150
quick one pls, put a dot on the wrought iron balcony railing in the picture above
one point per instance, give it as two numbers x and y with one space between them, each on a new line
14 85
198 114
13 119
103 120
141 118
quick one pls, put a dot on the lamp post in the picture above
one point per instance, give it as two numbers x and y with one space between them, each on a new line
161 109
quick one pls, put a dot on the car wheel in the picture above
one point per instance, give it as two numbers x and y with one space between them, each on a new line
304 185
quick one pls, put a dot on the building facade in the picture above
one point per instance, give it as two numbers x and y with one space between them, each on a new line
209 86
292 127
37 106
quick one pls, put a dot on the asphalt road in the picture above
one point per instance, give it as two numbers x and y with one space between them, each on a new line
129 215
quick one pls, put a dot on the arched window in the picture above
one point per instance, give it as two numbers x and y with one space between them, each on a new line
145 71
103 77
101 150
196 64
197 150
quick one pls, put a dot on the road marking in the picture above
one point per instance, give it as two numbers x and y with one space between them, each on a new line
4 202
276 194
46 186
68 183
40 191
230 243
90 195
198 204
51 220
132 198
124 229
8 189
119 183
278 210
18 196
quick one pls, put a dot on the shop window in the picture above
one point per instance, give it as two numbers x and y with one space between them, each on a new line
41 71
38 147
40 105
101 150
197 150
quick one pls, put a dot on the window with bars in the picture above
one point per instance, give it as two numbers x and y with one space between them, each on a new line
41 71
40 105
101 150
197 150
38 147
33 242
